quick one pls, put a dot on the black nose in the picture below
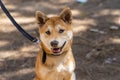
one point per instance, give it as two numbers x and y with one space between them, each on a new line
54 43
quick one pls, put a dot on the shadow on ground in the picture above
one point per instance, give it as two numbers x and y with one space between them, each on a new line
96 44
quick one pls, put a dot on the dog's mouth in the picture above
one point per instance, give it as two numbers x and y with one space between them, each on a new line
56 50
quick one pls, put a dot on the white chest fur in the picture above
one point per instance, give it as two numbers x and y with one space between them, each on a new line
59 71
67 68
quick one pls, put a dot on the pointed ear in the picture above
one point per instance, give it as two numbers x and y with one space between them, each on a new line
41 18
66 15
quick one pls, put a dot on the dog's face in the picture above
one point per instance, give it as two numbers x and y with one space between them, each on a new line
55 32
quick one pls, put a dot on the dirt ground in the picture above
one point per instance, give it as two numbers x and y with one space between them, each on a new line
96 46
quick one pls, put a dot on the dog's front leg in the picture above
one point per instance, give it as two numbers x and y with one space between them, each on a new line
71 77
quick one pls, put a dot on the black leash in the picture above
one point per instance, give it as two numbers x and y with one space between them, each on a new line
27 35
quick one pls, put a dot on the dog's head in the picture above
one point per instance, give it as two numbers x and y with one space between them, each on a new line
55 32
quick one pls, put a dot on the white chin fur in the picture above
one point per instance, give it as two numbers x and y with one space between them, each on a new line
57 54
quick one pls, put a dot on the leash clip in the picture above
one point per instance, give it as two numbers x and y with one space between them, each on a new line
36 42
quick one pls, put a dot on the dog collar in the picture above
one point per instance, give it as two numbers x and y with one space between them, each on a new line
44 57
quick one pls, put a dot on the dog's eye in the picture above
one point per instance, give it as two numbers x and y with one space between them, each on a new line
61 30
47 32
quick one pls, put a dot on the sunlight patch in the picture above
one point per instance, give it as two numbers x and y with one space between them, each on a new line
116 40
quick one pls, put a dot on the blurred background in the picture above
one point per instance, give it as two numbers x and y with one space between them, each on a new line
96 46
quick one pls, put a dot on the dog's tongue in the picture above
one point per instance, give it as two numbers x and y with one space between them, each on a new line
56 50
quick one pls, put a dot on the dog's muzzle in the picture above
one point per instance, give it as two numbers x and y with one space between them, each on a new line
57 51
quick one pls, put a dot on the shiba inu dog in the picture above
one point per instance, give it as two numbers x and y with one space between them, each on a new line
55 60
